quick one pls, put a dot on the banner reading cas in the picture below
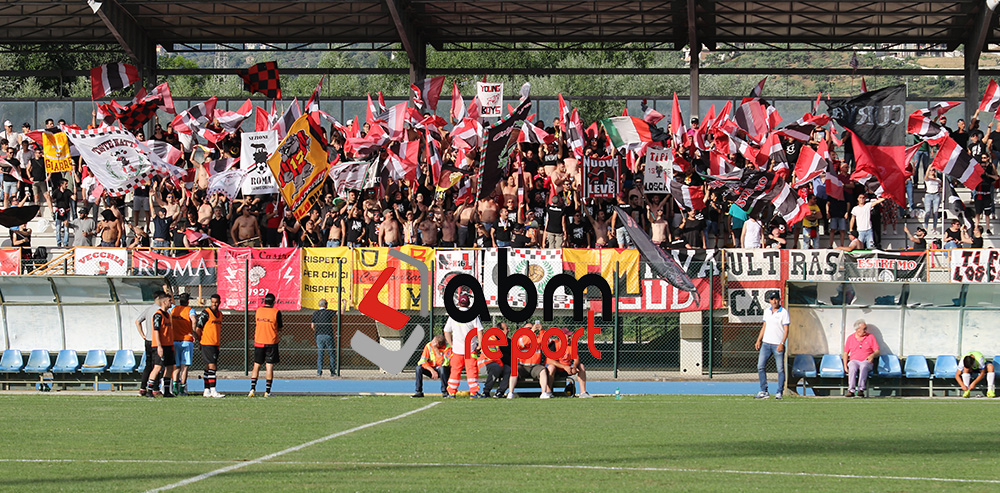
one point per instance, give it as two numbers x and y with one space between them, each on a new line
299 167
658 172
885 267
403 290
56 149
255 149
450 263
10 261
100 261
320 272
272 270
600 177
751 275
196 268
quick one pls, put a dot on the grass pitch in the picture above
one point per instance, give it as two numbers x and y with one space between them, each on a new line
126 443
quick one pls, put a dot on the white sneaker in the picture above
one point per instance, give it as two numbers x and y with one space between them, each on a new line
545 395
511 395
207 393
585 395
778 396
761 395
216 394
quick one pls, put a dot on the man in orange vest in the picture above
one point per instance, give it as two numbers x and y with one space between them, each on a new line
182 319
208 330
163 345
265 343
435 363
532 367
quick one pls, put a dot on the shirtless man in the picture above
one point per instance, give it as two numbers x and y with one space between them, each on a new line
428 231
449 230
659 227
559 177
464 220
110 227
510 189
488 212
389 232
245 229
600 224
336 222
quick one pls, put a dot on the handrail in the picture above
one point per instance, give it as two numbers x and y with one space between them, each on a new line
63 261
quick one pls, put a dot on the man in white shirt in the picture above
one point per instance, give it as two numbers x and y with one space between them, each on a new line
862 215
771 341
752 237
457 334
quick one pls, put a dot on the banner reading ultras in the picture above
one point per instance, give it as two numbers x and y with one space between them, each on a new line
320 271
272 270
402 292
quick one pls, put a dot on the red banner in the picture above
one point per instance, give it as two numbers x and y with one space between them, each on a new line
10 261
272 270
659 295
195 268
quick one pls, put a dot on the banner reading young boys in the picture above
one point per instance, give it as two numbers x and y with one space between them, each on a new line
403 290
320 271
490 98
272 270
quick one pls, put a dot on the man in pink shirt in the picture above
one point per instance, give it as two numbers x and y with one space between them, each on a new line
860 351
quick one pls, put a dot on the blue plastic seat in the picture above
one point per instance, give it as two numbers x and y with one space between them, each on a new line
96 361
804 365
142 362
888 366
11 361
831 366
916 367
67 361
39 361
945 366
124 362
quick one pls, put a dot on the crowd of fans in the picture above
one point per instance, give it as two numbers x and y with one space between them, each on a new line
538 203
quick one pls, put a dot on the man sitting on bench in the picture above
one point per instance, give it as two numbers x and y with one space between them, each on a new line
565 366
532 366
974 362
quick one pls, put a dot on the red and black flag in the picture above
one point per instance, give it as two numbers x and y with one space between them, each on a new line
892 178
878 119
757 189
110 77
262 78
954 161
991 99
920 125
134 116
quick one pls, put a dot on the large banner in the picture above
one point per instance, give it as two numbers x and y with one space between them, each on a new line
579 262
255 149
196 268
100 261
10 261
704 267
600 177
56 150
658 172
975 266
299 167
272 270
751 275
538 264
114 158
501 139
450 263
403 291
814 265
885 267
490 97
320 271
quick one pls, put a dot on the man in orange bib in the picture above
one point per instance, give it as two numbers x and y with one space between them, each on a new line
163 345
265 343
208 330
182 320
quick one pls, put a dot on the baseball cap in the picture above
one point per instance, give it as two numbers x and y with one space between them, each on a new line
7 123
538 321
773 296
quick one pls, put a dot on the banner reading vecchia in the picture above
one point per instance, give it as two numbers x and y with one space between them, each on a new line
272 270
299 166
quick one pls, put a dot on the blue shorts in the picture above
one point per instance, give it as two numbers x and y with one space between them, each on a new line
183 352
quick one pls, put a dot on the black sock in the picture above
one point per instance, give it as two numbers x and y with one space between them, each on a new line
209 378
166 386
268 386
253 384
150 385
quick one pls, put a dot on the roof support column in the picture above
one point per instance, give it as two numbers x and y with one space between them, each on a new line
411 39
973 49
130 36
695 53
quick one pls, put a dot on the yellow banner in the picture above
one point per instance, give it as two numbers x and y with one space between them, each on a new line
603 261
403 290
299 166
320 270
56 150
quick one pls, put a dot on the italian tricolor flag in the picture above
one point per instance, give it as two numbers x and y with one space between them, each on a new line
626 131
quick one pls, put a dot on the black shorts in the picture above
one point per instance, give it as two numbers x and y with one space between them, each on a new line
266 354
210 354
984 204
167 359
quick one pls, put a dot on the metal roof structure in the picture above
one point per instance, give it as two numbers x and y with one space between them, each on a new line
206 25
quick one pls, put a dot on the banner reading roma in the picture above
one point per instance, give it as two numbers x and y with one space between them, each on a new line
403 290
885 267
320 270
299 166
10 261
196 268
100 261
272 270
600 177
56 149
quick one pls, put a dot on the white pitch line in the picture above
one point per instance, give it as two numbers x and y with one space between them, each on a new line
296 448
536 466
